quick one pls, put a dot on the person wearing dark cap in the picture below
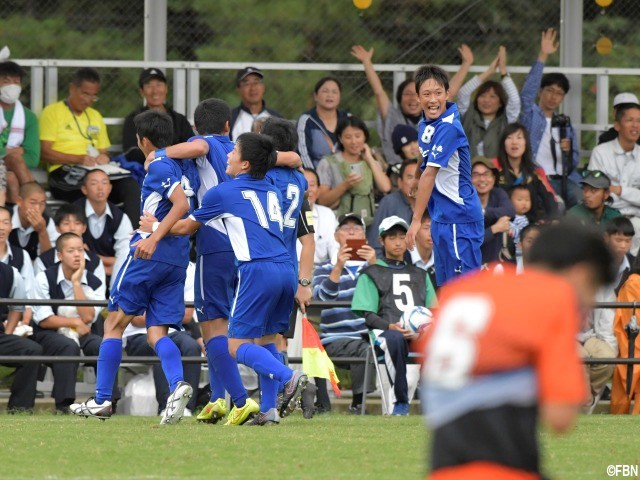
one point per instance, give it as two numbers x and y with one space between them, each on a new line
343 334
496 207
595 197
405 142
154 89
252 108
620 100
399 202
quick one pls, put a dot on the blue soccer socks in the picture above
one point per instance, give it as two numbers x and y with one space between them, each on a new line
263 362
269 386
226 370
109 358
215 382
171 362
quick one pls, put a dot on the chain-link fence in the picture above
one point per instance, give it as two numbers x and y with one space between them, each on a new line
320 31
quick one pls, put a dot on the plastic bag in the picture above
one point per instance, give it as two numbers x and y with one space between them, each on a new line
139 396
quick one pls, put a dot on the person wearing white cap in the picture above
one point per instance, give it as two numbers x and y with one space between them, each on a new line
619 159
385 291
620 99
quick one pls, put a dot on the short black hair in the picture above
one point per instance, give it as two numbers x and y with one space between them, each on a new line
283 133
570 243
88 175
354 122
258 150
559 79
531 227
62 239
426 215
69 210
401 88
315 174
211 116
324 80
621 225
427 72
518 188
624 108
156 126
11 69
405 164
5 209
393 231
85 74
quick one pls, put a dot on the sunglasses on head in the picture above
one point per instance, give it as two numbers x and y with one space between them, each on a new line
592 173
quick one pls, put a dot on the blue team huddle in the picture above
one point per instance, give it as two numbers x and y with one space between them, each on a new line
245 210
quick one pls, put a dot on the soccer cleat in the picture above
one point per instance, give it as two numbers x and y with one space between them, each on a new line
176 404
213 412
265 419
292 393
92 409
400 409
239 415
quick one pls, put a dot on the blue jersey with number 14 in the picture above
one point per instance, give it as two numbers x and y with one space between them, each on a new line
292 185
251 211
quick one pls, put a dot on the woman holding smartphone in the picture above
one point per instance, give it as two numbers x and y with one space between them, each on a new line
348 177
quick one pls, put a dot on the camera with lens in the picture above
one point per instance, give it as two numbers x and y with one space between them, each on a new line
560 121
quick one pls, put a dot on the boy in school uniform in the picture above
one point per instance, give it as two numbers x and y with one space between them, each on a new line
152 279
32 229
457 224
70 218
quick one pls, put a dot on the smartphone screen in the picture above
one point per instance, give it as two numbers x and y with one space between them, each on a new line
356 244
355 168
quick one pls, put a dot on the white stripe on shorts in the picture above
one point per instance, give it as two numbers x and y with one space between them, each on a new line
455 241
235 297
124 270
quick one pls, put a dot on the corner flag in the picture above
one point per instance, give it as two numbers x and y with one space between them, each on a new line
315 361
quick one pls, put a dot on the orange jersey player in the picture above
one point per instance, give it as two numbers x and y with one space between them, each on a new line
502 352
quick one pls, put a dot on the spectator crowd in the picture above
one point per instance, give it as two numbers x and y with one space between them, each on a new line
525 168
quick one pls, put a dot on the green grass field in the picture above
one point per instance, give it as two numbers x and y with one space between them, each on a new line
326 447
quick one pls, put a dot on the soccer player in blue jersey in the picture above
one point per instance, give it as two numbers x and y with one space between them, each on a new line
215 264
152 278
457 225
250 209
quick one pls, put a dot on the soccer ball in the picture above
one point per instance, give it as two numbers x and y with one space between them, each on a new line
416 319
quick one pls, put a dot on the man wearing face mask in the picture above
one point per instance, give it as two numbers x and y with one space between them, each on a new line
19 142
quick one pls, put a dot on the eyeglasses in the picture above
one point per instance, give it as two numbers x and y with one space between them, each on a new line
554 91
91 98
351 228
487 174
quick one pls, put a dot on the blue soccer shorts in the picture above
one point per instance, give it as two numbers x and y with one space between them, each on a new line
214 285
263 300
156 288
456 247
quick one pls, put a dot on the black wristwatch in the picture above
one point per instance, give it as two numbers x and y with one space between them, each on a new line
305 282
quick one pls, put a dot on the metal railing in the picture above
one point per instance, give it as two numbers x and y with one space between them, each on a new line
186 80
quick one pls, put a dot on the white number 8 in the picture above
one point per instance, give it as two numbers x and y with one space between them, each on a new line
428 132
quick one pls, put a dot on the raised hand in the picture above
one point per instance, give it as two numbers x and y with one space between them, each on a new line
548 44
502 60
466 54
362 53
